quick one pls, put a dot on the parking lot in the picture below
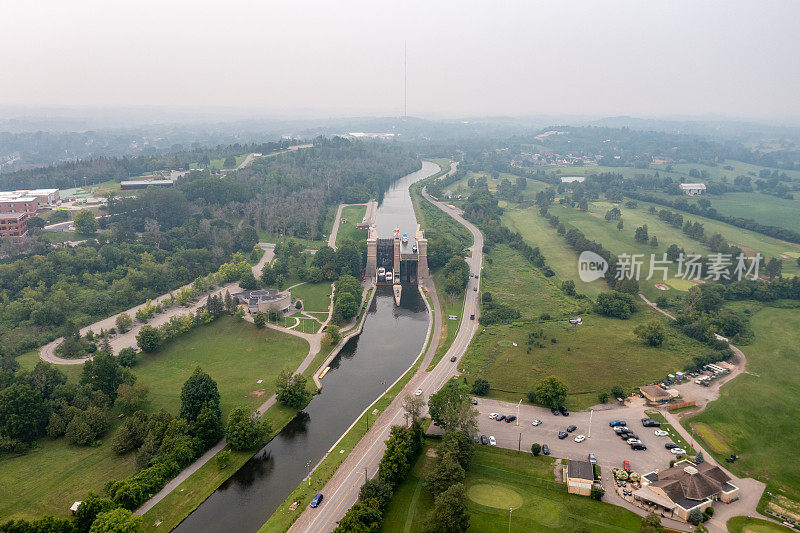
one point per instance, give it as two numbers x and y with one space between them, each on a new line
609 449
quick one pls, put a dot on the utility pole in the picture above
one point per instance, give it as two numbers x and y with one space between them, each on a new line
510 510
591 412
520 403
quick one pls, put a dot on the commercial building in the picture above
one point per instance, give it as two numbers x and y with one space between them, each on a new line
685 487
654 393
19 204
266 301
13 225
36 199
693 189
143 184
579 476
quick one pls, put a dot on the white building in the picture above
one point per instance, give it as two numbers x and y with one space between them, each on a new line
693 189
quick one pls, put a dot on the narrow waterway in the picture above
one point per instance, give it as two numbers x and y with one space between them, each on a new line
392 338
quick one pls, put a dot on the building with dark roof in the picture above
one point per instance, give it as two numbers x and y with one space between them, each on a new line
687 486
266 300
579 476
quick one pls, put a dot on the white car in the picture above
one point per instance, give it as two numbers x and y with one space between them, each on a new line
492 416
580 438
536 422
633 441
660 433
492 441
418 393
678 451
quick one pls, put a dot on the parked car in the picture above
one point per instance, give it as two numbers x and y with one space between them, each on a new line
660 433
500 418
484 440
475 289
317 500
453 359
671 445
536 422
492 416
620 429
563 410
632 441
570 429
580 438
492 441
614 423
418 393
554 411
510 419
650 423
678 451
563 435
638 446
473 401
545 449
592 459
626 465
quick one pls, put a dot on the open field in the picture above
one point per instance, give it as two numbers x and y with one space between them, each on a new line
497 479
756 414
353 214
451 306
528 194
601 353
316 296
743 524
763 208
236 354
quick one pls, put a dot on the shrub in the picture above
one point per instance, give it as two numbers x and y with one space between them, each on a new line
480 387
245 431
597 493
223 459
695 517
536 449
127 357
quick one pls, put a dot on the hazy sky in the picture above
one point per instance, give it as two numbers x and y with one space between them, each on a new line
465 58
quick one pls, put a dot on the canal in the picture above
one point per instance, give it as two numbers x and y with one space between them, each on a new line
391 340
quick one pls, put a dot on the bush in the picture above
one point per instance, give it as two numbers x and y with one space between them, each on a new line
615 304
531 395
260 320
603 397
536 449
292 390
695 517
124 322
597 493
245 431
149 338
127 357
480 387
223 459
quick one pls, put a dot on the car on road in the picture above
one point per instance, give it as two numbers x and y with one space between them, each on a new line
492 441
570 429
580 438
614 423
453 359
554 411
660 433
317 500
638 446
484 440
475 289
473 401
472 317
678 451
650 423
510 419
418 393
563 435
671 445
492 416
500 418
626 465
536 422
563 410
592 459
545 449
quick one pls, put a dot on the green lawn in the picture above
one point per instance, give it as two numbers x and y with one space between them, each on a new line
235 353
353 214
316 296
599 354
266 236
763 208
756 414
495 478
451 306
743 524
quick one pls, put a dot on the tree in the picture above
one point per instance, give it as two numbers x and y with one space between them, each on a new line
536 449
551 392
104 373
640 235
132 398
597 493
695 516
127 357
413 405
450 408
364 517
773 268
447 472
617 392
85 223
377 490
149 338
89 509
620 225
248 281
79 431
45 378
603 397
260 320
131 434
229 162
245 430
199 391
654 241
117 520
459 445
292 389
568 287
652 333
480 387
123 322
208 427
652 524
699 459
23 413
223 458
332 335
615 304
449 514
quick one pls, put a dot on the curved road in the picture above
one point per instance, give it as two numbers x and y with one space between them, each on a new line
341 492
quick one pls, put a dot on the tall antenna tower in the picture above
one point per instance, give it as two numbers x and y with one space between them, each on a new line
405 79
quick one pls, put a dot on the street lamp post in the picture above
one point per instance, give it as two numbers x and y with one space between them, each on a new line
308 465
591 412
510 510
520 403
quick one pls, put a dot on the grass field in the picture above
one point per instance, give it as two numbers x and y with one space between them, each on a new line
601 353
756 414
451 306
236 354
354 214
316 296
763 208
743 524
704 432
497 479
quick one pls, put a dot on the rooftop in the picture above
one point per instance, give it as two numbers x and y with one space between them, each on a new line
687 481
580 469
693 186
654 391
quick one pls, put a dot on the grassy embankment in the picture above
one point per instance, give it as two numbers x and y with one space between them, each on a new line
353 214
498 479
236 354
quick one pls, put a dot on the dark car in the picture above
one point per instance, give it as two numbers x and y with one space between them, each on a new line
453 359
474 401
562 435
571 428
472 317
614 423
545 449
317 500
671 445
510 419
638 446
475 289
563 410
484 440
500 418
555 411
650 423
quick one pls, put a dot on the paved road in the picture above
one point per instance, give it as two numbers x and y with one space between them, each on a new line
341 492
128 339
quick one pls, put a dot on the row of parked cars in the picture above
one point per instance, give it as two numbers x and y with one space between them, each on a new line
626 434
500 418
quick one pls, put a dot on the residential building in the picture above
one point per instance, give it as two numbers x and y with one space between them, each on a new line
693 189
13 225
579 476
19 204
